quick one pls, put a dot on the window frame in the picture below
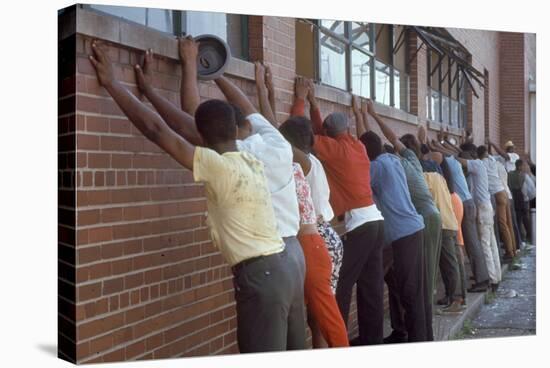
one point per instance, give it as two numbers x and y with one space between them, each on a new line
350 46
456 82
179 25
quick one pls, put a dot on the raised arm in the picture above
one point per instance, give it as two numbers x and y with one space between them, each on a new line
147 121
263 97
234 95
270 89
359 119
314 111
189 90
500 151
179 121
386 130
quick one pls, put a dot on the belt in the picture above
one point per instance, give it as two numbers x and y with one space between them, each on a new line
236 268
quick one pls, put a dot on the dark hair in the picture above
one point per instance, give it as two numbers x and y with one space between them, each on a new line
215 120
373 144
297 130
389 148
468 147
410 142
519 163
424 148
240 119
481 151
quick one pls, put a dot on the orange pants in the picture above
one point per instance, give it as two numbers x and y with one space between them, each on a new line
320 301
458 209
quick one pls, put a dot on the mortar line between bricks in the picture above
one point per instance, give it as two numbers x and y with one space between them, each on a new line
142 186
137 221
148 236
182 355
145 337
133 272
116 205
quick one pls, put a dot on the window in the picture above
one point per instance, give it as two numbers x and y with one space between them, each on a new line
367 59
231 27
447 92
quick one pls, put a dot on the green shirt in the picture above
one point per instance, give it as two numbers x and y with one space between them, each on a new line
420 194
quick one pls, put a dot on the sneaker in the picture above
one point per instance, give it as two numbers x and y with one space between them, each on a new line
395 338
444 301
453 308
480 287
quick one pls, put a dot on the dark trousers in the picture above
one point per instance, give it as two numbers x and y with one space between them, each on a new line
524 219
362 265
270 304
472 242
405 280
449 264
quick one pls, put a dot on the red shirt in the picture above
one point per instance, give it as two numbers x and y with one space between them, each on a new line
346 164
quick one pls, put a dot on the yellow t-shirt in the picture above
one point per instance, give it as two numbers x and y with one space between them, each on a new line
240 214
442 198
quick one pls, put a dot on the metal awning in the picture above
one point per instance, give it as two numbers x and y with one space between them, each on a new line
439 41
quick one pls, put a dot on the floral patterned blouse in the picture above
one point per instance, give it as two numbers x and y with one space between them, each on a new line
303 192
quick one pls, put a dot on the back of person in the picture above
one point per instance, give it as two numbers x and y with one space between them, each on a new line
347 167
420 194
269 146
442 197
240 215
320 191
459 180
495 183
479 182
392 196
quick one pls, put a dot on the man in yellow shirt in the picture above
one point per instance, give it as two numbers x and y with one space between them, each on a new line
270 305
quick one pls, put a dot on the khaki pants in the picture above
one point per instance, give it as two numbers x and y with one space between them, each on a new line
485 226
505 225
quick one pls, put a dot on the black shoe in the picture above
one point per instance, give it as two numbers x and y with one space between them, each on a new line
395 338
444 301
494 287
480 287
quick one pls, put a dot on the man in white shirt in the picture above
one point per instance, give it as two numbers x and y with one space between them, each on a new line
501 203
510 157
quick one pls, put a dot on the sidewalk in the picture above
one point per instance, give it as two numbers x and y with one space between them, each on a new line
513 310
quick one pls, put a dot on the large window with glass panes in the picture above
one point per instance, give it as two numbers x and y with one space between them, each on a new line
233 28
366 59
446 98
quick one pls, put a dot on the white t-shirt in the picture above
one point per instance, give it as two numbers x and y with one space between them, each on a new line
273 150
359 216
320 191
503 175
511 163
495 183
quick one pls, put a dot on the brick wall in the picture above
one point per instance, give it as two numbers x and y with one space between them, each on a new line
138 275
513 88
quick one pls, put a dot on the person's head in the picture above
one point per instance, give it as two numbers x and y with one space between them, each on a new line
336 124
424 149
509 146
469 151
410 141
388 148
216 123
481 152
373 144
519 164
297 130
244 128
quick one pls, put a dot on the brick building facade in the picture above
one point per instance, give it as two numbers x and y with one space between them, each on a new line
138 275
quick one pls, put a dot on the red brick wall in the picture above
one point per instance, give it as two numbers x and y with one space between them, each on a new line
513 89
